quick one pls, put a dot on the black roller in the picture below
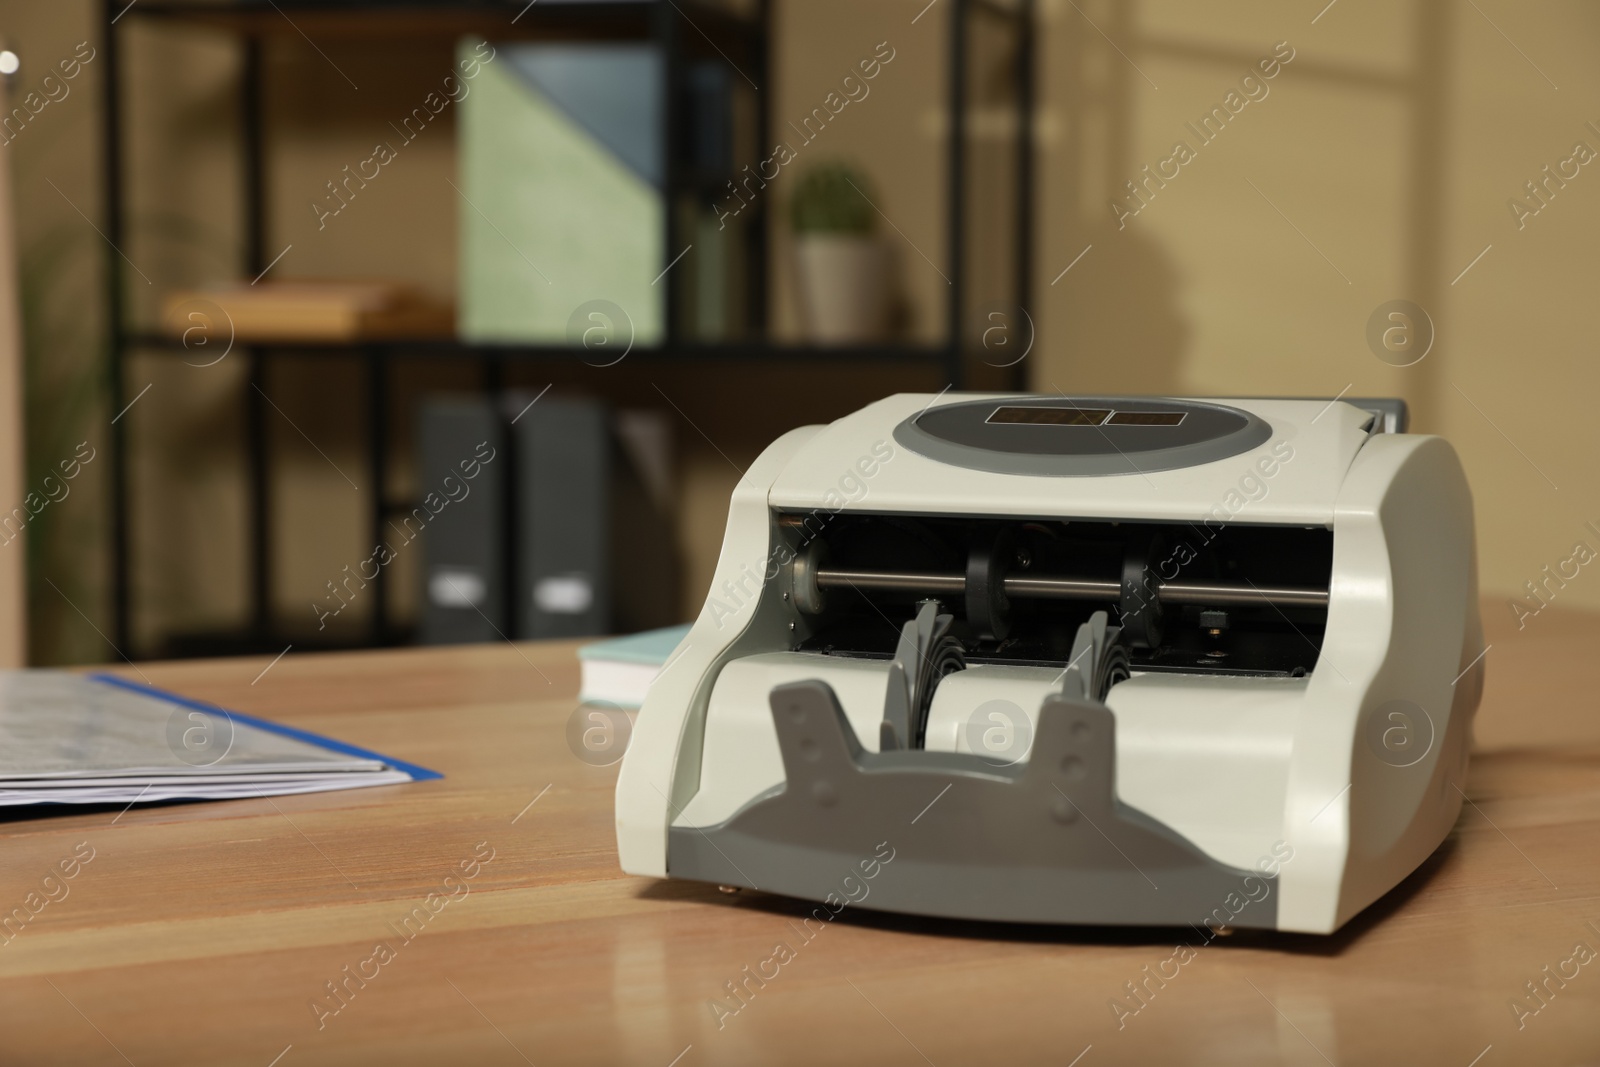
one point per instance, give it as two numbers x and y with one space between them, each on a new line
988 610
1140 603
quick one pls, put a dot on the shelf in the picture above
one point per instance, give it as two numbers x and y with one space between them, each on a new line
686 32
610 19
756 352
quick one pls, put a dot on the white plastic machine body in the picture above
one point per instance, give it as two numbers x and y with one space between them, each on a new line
1272 731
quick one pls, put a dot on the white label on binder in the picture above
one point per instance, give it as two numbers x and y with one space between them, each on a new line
563 594
453 587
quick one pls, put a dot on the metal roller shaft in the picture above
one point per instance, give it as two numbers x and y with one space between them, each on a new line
1056 588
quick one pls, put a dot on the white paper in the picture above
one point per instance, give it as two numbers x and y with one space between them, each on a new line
65 738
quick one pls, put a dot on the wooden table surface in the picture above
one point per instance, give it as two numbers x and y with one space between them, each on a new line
206 933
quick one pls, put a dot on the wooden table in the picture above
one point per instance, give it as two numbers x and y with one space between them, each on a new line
204 933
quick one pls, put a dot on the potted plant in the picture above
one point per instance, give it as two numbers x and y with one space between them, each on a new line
841 266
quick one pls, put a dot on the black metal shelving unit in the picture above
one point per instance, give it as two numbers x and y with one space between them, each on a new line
740 39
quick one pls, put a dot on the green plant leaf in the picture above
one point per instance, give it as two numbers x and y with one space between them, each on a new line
833 198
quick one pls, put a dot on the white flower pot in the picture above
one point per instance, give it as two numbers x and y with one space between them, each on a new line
844 282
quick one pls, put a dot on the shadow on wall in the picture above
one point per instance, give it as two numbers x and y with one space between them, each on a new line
1122 318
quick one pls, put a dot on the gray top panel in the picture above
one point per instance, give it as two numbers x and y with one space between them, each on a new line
1085 436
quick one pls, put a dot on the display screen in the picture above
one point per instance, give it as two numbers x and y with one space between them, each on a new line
1059 416
1147 418
1050 416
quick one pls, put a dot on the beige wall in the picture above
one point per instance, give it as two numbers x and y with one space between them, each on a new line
1389 147
1520 340
1210 290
